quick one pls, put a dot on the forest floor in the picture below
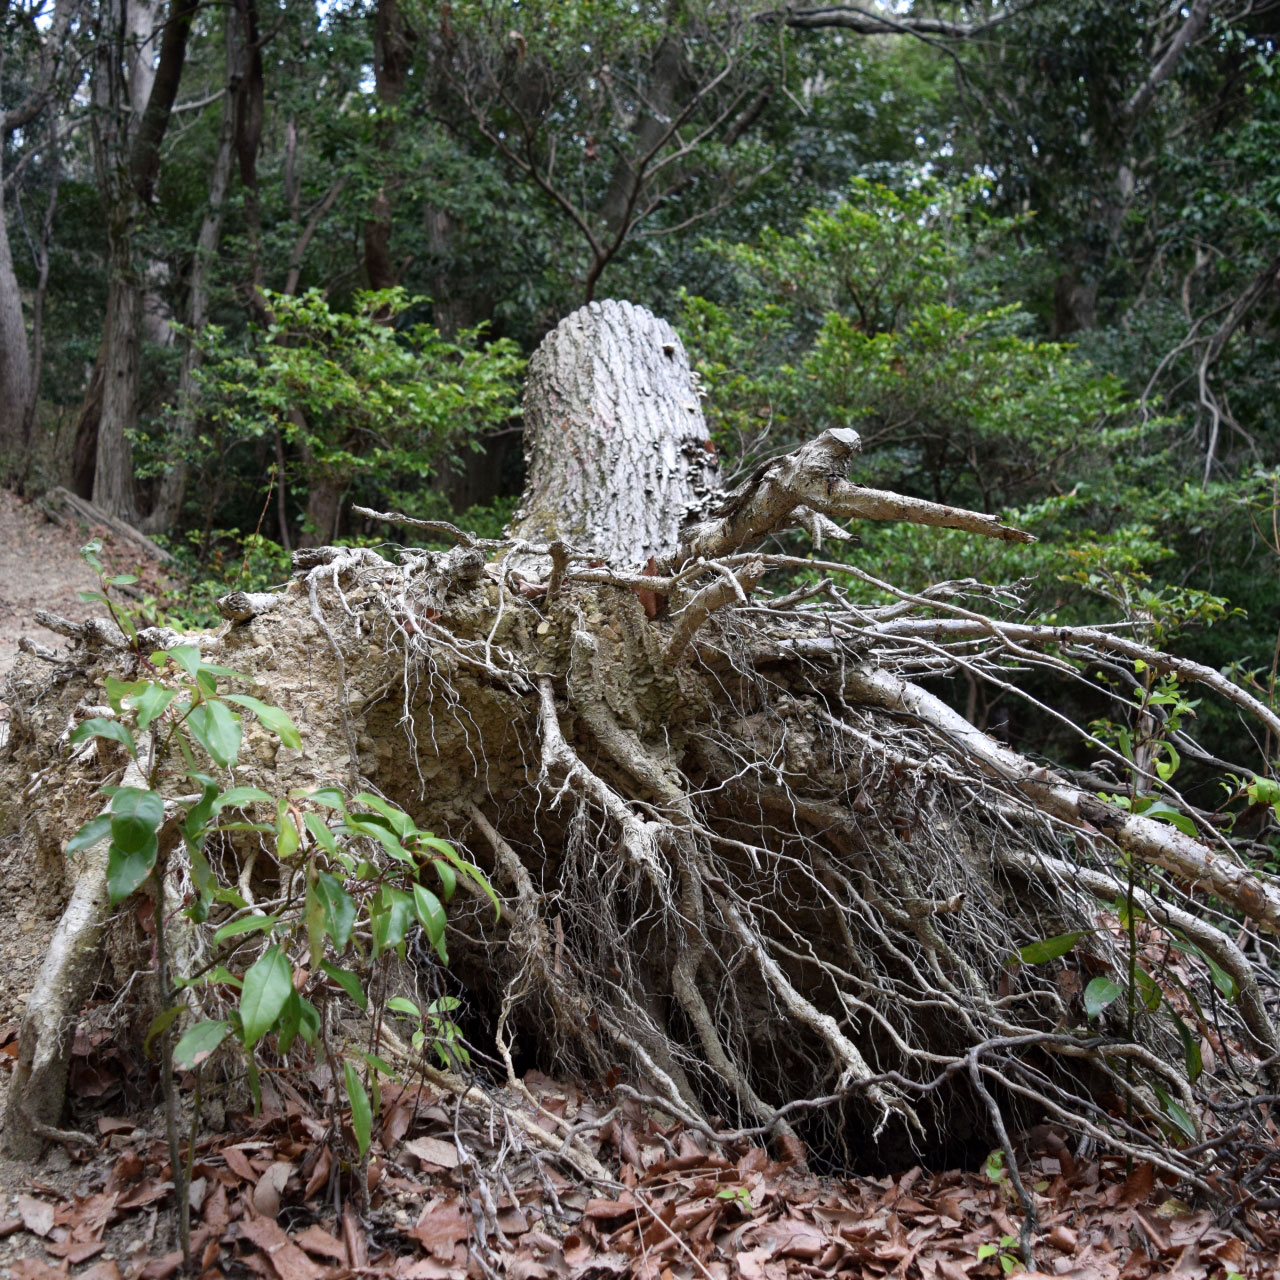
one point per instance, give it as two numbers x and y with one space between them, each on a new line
40 568
459 1189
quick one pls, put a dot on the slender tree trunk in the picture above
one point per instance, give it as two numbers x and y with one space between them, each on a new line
392 50
84 452
37 313
324 509
668 82
136 77
249 100
113 486
15 358
172 487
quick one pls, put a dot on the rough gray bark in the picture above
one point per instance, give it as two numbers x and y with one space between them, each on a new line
134 95
173 483
617 448
15 357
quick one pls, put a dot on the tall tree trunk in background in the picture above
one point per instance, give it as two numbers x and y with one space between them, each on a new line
249 98
37 309
476 477
133 97
15 356
173 484
393 41
57 73
667 84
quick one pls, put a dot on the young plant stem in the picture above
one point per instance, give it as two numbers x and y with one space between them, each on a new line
181 1180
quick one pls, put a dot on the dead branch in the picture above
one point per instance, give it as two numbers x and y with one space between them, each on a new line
776 495
1152 841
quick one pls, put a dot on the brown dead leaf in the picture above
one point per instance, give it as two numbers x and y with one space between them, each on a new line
1062 1238
606 1210
1138 1185
108 1269
289 1261
161 1268
441 1227
126 1170
397 1123
353 1239
757 1264
36 1215
145 1193
75 1251
36 1269
108 1125
239 1164
787 1238
429 1269
315 1239
270 1187
435 1152
320 1174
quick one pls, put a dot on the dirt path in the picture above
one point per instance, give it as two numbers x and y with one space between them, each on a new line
40 568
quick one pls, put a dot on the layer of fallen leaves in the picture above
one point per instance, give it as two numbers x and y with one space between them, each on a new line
463 1191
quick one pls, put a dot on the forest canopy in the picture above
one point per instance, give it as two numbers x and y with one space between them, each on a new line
1030 250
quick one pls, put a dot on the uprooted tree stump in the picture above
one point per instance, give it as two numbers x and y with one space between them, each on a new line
751 867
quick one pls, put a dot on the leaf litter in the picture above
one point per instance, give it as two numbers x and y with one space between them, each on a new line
457 1190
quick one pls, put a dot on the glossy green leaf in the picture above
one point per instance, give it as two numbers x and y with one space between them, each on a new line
287 837
217 729
432 918
151 702
271 717
401 823
136 815
289 1023
348 982
241 798
1050 948
126 871
391 913
448 878
1149 991
118 690
93 832
398 1004
1099 994
339 909
246 924
99 727
376 831
331 797
309 1027
198 1042
160 1024
320 832
187 656
361 1112
267 986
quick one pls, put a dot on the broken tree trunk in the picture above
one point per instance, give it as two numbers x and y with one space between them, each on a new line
748 865
618 454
